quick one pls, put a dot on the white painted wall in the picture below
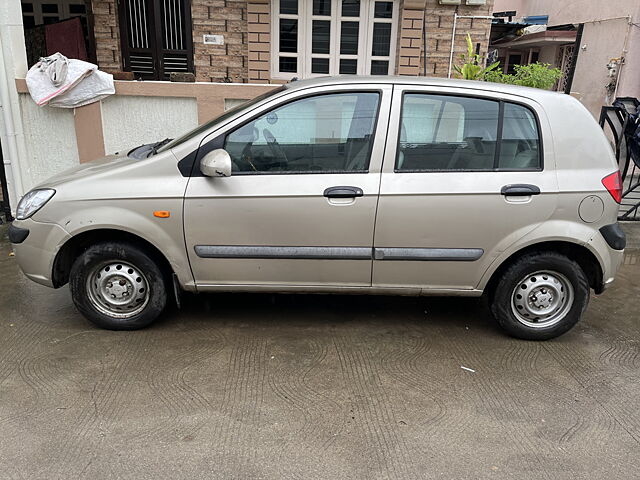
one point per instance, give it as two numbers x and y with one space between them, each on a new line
569 11
50 138
128 121
548 54
601 41
50 135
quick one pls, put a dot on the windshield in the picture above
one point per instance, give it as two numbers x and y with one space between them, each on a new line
229 113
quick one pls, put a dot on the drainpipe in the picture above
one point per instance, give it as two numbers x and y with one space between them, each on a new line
13 64
453 35
625 49
424 45
453 41
14 176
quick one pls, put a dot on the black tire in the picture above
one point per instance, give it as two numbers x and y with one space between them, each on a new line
503 301
92 260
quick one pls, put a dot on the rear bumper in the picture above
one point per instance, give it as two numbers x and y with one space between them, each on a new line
610 244
610 260
614 236
37 251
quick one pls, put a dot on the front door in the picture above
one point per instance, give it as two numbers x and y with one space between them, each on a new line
463 179
299 207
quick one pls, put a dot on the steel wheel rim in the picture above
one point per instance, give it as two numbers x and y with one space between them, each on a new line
118 289
542 299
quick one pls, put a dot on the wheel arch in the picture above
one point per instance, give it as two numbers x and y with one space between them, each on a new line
77 244
584 257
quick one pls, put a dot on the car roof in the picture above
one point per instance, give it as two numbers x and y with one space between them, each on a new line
533 93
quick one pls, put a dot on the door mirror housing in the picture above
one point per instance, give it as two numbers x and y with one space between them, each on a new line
216 163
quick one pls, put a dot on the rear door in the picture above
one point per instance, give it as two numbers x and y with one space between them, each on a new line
464 177
299 207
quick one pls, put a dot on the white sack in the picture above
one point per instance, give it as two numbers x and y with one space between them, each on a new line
83 83
56 67
90 89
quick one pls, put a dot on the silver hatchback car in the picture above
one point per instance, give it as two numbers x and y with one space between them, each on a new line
350 185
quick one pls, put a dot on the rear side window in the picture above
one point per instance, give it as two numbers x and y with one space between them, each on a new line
441 133
520 144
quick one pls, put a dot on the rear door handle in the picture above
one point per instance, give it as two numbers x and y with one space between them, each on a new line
343 192
520 190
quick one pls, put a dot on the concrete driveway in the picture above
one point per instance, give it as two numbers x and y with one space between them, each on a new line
261 386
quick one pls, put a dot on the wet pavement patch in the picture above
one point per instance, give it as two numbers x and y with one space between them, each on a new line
283 386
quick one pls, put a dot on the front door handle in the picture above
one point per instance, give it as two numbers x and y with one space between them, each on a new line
343 192
520 190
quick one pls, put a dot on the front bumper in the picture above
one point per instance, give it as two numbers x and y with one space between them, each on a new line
17 234
37 251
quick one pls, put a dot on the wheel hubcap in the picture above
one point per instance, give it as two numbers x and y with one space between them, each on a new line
118 289
542 299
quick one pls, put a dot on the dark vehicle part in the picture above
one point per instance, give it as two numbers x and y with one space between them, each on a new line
17 234
614 236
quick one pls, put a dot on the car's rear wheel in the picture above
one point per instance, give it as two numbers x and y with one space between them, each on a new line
540 296
118 286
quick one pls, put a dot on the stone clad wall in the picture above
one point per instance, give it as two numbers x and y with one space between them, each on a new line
107 35
220 63
259 27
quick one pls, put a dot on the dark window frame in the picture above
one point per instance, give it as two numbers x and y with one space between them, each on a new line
498 148
155 48
219 141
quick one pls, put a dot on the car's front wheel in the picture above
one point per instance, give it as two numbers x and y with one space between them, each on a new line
540 296
118 286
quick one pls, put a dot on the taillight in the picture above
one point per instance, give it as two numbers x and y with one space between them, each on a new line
613 184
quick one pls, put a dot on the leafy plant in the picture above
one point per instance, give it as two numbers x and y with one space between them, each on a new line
471 68
537 75
496 76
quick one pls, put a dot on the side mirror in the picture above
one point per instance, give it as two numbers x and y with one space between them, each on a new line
216 163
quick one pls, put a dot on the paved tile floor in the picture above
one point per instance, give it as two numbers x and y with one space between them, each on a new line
260 386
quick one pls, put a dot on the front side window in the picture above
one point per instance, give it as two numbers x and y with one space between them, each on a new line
320 134
331 37
441 132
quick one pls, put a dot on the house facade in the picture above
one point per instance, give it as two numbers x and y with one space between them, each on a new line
273 41
595 44
233 49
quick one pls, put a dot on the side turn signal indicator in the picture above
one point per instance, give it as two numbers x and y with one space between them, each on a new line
162 213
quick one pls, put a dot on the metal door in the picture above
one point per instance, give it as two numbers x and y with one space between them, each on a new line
289 228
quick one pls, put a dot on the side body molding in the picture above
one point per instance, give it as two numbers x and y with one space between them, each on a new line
320 253
429 254
339 253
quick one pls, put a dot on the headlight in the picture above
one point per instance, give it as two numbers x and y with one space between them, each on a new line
32 202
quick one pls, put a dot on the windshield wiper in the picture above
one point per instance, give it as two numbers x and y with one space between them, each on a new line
132 150
156 146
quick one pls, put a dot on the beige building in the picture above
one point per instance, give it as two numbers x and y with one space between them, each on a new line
596 44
